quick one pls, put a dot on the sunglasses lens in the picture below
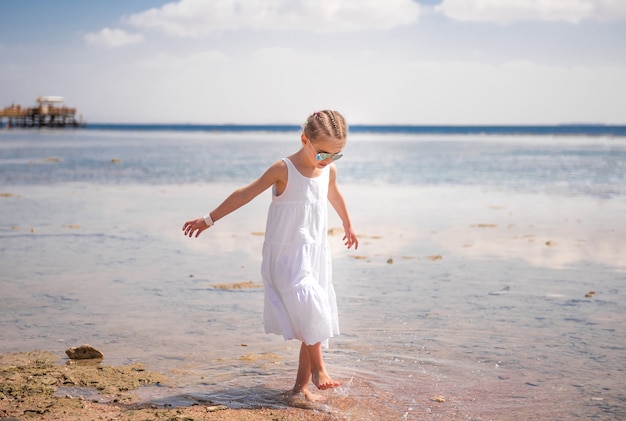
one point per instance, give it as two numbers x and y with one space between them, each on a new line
322 156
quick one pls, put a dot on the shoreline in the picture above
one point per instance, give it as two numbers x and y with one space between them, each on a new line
35 385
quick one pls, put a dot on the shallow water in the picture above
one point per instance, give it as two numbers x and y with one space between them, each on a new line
470 291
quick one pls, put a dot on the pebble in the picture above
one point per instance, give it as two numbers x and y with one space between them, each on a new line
84 352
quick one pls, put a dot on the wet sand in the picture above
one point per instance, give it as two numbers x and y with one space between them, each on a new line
459 304
35 385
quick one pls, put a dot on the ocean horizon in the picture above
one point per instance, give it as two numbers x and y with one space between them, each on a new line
488 129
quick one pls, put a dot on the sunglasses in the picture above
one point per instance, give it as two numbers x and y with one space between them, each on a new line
321 156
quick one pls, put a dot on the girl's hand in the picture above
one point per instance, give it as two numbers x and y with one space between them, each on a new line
196 225
350 239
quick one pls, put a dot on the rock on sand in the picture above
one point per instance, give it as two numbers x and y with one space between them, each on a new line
84 352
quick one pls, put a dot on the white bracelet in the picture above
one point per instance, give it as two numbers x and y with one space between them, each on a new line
208 220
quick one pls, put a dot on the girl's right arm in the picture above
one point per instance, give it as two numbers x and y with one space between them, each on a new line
276 174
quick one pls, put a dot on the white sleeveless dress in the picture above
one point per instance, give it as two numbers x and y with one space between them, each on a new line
300 301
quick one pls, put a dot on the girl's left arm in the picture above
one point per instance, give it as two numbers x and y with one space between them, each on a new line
339 204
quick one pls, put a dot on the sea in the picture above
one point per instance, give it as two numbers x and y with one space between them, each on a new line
489 282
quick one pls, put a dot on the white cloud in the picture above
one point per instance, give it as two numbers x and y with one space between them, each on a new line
278 85
509 11
607 10
198 18
112 38
200 60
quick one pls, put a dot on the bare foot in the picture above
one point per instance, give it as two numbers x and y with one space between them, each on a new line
322 380
303 399
303 394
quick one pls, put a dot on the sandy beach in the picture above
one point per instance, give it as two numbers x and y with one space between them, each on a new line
29 389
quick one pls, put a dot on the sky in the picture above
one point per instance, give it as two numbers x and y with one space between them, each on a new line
417 62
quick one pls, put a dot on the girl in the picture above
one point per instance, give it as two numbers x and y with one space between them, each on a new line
300 299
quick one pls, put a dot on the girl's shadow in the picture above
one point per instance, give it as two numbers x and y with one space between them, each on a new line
239 398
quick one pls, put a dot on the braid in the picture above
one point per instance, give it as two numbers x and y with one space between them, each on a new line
326 123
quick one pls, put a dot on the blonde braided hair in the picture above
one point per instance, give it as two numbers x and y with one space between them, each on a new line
326 123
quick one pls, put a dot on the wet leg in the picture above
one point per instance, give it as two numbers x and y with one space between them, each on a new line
304 375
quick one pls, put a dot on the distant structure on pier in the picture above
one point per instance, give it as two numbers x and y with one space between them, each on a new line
50 111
